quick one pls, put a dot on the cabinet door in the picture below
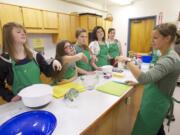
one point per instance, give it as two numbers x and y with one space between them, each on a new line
91 22
74 23
9 13
64 27
84 22
32 18
99 21
50 20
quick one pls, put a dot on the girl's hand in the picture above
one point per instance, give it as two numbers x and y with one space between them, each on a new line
122 59
16 98
99 69
90 73
57 65
94 58
83 57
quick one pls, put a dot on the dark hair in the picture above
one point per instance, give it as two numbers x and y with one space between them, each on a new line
167 29
94 33
8 40
177 42
60 52
79 31
110 29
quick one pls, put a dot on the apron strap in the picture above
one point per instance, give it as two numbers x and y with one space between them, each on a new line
171 111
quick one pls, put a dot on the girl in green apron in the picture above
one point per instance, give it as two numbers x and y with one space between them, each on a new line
19 66
114 46
81 47
99 48
66 54
160 82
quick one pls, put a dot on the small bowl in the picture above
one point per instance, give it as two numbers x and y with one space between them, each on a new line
146 58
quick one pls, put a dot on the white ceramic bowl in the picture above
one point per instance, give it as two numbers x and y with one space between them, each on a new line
107 68
36 95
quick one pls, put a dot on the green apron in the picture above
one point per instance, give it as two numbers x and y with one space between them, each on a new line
82 64
113 50
70 72
102 56
25 75
155 56
154 108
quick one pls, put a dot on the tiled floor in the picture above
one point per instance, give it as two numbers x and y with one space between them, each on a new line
175 126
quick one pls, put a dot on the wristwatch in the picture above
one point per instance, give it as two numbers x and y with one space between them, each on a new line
127 61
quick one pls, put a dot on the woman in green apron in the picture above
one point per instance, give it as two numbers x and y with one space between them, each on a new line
114 46
99 48
66 54
81 47
20 66
160 82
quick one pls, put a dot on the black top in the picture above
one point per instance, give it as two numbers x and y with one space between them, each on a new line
6 72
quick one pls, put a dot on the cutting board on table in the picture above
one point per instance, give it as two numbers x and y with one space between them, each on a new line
60 90
113 88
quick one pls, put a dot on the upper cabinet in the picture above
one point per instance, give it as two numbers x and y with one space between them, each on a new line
9 13
74 24
88 22
91 22
50 20
64 27
32 18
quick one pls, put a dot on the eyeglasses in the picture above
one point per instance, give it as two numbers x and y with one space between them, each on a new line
68 46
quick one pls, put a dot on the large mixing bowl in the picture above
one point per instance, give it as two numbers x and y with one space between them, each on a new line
36 95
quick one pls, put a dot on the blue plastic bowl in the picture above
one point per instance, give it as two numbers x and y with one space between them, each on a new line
146 59
30 123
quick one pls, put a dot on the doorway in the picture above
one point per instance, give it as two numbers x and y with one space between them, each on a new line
140 34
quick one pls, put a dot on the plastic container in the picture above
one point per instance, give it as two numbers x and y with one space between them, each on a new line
90 81
146 59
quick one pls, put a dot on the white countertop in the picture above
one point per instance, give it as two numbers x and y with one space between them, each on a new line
72 117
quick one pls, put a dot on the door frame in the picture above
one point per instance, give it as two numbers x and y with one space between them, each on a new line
129 27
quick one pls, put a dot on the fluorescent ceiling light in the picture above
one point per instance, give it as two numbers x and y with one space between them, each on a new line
122 2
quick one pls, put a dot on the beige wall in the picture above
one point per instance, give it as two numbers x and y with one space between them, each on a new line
142 8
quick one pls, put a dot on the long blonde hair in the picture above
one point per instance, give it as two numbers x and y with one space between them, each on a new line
8 40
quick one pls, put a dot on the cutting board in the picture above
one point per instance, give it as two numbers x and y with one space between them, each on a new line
113 88
60 90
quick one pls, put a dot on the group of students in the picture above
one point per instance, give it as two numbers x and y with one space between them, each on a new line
21 67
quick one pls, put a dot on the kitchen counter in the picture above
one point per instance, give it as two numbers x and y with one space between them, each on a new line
92 113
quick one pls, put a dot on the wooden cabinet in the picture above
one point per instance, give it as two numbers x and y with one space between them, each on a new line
74 24
9 13
91 22
64 27
88 22
32 18
50 20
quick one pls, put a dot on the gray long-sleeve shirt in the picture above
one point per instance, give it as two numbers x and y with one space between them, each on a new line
164 73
